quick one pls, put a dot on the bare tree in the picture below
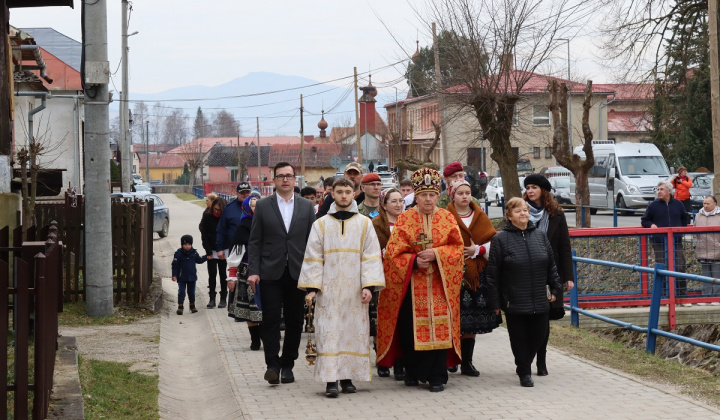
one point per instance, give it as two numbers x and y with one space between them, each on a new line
494 46
157 122
225 124
194 157
175 130
561 148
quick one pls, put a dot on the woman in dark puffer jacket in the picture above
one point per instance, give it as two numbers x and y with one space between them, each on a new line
521 270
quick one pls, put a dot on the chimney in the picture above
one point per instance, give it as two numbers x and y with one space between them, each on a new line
367 108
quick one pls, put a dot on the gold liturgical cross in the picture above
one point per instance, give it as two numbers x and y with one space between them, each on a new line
423 241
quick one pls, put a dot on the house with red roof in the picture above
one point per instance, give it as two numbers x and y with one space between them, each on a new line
627 115
531 135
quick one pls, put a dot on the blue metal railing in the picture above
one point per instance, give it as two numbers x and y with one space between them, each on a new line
659 278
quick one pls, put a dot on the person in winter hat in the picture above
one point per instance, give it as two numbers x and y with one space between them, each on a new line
184 271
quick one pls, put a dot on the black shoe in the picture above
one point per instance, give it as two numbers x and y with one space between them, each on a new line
399 375
399 371
542 369
383 372
468 369
347 386
223 300
453 369
437 388
211 304
193 309
254 337
411 382
272 376
331 390
179 310
286 376
526 381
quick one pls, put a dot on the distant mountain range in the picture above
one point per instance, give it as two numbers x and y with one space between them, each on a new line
278 111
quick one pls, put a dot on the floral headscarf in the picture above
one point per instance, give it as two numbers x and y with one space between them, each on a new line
247 212
455 185
384 193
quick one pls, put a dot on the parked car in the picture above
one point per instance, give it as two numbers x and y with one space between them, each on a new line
561 190
494 190
701 186
388 180
161 212
156 182
142 189
382 168
137 179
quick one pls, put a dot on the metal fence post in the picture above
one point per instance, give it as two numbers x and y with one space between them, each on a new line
502 204
487 205
614 215
654 317
574 300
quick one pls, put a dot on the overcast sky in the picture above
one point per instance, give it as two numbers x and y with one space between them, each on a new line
183 42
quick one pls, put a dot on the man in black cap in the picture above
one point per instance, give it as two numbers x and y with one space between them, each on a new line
229 221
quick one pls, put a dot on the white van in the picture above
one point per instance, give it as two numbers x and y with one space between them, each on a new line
625 174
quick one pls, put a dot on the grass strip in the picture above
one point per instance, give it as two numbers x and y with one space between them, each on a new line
74 314
694 382
112 391
188 197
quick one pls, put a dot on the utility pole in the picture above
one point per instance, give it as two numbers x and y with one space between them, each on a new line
257 122
357 121
238 177
438 83
147 152
126 162
98 223
302 140
715 87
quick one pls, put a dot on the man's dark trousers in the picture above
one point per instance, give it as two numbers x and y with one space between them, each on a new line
281 296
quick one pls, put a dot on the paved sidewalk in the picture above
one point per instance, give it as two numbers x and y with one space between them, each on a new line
207 368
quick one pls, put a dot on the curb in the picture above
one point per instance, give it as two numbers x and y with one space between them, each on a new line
67 399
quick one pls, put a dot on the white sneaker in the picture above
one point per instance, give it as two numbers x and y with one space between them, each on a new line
715 303
687 305
702 304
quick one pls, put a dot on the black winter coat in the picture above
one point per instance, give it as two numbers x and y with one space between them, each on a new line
208 232
559 238
521 265
183 264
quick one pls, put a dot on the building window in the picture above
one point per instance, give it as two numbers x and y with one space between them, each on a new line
548 153
541 115
536 153
516 116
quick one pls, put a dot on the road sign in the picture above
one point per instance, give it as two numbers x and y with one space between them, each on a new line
355 158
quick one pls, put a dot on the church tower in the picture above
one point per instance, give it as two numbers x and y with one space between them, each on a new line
367 108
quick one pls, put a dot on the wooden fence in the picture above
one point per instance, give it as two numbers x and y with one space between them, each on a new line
132 244
33 298
132 232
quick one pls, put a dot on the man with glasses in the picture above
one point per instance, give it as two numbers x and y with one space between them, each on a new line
229 221
280 229
372 187
453 172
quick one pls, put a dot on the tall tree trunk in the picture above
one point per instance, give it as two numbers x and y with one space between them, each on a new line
561 148
5 117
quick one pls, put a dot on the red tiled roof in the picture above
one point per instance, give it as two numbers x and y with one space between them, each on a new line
627 121
204 144
153 148
316 155
339 133
166 160
529 82
629 91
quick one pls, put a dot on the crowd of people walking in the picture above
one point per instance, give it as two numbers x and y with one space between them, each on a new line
415 273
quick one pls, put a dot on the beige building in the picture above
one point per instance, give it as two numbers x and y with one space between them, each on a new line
531 135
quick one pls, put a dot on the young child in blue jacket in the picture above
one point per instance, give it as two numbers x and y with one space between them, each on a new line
184 271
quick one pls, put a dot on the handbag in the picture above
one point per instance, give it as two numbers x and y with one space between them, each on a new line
234 257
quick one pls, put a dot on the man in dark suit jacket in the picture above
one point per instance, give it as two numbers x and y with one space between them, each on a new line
280 229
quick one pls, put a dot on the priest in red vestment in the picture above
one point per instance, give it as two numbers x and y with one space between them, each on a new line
419 311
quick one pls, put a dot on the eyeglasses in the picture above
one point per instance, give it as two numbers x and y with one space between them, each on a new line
285 176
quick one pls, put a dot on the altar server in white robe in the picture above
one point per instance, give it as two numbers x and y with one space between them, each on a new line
341 269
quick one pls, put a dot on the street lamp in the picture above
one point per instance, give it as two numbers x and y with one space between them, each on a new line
569 93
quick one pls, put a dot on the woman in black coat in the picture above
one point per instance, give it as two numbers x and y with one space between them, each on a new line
547 215
208 232
521 270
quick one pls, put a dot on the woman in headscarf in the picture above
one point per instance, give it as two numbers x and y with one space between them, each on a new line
549 217
244 305
477 231
391 205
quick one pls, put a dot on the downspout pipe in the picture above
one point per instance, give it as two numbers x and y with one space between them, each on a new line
38 59
600 114
31 114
